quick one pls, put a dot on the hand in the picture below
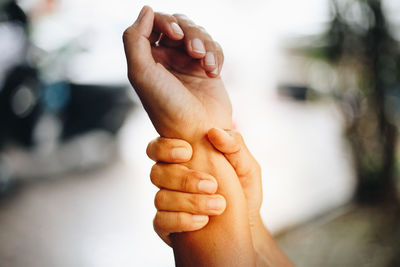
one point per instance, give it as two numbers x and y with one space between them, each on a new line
184 99
182 202
185 195
178 76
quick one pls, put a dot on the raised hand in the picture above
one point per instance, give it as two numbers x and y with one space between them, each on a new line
177 80
184 98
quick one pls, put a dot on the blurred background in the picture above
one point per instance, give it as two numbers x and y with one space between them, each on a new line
315 87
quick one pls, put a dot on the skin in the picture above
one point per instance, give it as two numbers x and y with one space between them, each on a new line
182 191
185 97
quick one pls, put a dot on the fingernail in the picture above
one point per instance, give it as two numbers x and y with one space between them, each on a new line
215 204
223 132
207 186
180 153
199 218
215 71
210 60
197 46
176 28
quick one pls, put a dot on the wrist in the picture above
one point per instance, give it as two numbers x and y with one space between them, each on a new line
257 228
259 234
266 250
228 232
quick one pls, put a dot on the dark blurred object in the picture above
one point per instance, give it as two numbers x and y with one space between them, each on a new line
81 108
19 109
95 107
11 12
359 47
19 82
295 92
48 128
14 45
24 98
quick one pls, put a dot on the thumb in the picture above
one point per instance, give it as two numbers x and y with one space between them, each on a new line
232 145
137 46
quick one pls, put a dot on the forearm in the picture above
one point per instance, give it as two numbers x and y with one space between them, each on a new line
226 240
267 251
183 101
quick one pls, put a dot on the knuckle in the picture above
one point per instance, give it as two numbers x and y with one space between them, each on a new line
126 34
159 199
130 34
159 223
156 227
156 221
185 182
149 149
196 203
155 174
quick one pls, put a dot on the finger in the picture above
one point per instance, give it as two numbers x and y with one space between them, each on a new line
168 25
220 61
227 142
210 61
167 200
231 143
178 61
136 44
199 44
220 55
194 37
169 150
179 178
165 223
167 42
